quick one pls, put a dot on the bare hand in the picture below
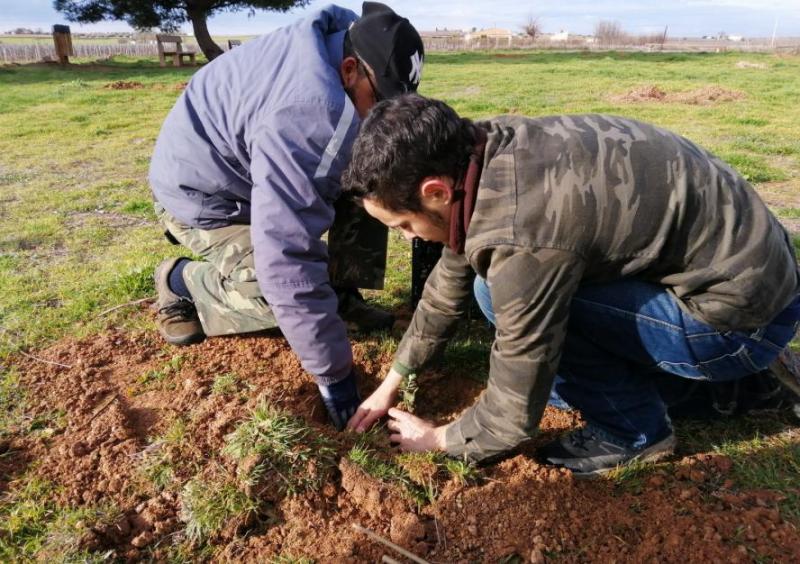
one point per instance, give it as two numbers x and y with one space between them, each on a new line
377 404
414 434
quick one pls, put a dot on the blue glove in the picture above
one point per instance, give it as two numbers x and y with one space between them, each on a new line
341 400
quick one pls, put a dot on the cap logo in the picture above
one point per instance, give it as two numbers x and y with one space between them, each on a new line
416 68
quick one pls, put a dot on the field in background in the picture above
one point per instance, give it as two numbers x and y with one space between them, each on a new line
78 236
36 48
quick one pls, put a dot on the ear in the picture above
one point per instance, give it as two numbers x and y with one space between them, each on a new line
436 190
349 72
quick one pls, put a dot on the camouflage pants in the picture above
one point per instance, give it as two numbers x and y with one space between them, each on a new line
224 286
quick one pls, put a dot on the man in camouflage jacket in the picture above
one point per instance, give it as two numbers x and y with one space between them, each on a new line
605 249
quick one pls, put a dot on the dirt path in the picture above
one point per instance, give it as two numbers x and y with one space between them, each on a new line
121 390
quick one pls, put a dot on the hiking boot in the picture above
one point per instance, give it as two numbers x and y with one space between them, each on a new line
360 316
786 369
176 319
589 455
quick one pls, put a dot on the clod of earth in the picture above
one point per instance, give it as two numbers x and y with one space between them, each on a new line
124 85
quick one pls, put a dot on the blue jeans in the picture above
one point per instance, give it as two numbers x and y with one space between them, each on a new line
622 333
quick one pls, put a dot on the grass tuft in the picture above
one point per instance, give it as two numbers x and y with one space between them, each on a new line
274 444
207 508
12 402
225 384
418 474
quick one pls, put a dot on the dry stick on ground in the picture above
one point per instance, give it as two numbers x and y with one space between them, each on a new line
102 407
134 302
23 353
389 560
390 544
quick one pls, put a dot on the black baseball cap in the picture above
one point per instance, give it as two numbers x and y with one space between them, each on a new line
390 46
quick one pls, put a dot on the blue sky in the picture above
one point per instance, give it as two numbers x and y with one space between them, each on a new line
751 18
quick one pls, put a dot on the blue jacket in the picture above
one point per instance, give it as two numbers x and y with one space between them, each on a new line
261 136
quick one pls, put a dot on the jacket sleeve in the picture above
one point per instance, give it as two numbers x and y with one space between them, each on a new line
444 301
296 161
531 292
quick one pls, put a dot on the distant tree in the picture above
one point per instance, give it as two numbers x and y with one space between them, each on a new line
168 15
609 33
533 28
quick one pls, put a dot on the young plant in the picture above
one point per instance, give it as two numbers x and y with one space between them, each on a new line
156 465
225 384
408 393
284 447
208 507
171 367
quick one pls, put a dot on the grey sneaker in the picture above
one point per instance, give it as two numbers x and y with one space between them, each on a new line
360 316
786 369
176 319
588 455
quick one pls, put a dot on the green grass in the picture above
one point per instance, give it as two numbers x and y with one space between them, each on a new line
226 384
78 236
165 455
33 526
769 463
12 402
161 374
418 475
207 507
287 450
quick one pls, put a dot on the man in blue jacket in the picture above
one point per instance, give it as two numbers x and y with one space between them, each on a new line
246 172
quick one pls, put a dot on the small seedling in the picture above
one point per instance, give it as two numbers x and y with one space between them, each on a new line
285 447
283 559
207 507
172 366
156 466
224 384
462 471
408 393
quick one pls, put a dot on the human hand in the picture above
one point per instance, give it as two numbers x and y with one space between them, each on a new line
377 404
414 434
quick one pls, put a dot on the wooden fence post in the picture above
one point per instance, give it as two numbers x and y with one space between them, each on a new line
63 42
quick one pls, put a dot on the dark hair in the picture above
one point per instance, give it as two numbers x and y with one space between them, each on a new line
403 141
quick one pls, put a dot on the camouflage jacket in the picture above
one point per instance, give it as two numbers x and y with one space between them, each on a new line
571 200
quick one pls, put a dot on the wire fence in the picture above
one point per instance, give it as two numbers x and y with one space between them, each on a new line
42 52
785 45
35 52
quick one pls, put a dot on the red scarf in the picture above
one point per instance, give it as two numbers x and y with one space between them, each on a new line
464 195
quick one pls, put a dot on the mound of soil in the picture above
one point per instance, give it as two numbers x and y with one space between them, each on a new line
105 398
646 93
124 85
700 96
708 95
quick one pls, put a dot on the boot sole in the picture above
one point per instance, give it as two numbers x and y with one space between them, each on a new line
183 341
657 452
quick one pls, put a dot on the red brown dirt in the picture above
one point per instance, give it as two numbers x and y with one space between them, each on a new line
111 411
124 85
700 96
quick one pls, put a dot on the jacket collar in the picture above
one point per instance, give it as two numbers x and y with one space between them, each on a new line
464 195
